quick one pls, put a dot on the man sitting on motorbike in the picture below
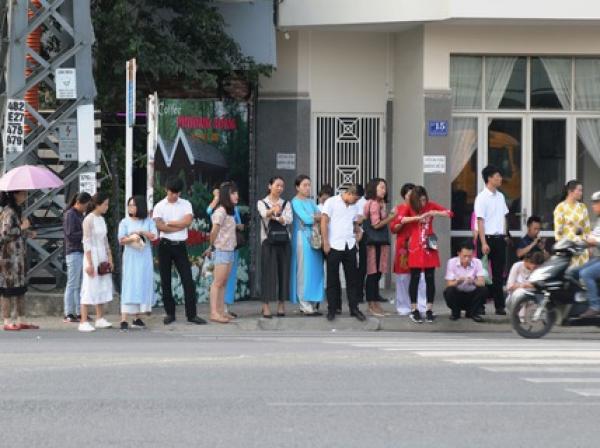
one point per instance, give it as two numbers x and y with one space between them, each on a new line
589 273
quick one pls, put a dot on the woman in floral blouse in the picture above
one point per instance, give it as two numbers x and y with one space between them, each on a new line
571 216
13 285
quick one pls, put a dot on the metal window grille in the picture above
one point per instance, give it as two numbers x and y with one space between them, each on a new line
347 150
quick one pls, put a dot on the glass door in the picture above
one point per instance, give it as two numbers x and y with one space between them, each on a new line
505 150
548 166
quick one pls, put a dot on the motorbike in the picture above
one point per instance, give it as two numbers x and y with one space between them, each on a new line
555 295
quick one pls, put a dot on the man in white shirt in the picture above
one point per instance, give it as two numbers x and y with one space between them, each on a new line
491 211
341 232
173 216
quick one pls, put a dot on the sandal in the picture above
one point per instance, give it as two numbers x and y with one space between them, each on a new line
12 327
219 320
28 327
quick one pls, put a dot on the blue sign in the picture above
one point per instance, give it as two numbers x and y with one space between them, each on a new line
438 128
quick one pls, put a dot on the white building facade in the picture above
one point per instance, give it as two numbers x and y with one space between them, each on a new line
395 88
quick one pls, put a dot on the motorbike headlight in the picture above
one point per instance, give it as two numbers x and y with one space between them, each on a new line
541 274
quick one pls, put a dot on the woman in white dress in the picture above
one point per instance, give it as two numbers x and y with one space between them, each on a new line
97 286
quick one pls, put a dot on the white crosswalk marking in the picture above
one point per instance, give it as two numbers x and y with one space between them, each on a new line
536 358
586 392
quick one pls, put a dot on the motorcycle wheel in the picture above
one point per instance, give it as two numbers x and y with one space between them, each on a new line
522 318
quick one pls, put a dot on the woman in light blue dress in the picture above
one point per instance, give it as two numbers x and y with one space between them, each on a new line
136 232
307 275
231 288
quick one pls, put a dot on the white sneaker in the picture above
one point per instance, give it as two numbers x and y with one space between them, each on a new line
102 323
86 327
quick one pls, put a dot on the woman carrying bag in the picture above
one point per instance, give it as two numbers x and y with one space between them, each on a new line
423 253
275 215
306 274
377 240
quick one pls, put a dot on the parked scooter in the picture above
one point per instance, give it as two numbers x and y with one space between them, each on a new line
556 295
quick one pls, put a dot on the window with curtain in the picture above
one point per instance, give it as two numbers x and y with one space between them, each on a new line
550 83
465 81
505 82
587 84
588 155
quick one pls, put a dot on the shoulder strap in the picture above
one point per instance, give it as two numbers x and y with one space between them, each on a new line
266 205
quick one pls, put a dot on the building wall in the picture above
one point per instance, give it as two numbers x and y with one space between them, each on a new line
440 41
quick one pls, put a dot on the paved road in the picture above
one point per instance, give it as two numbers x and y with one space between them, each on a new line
160 388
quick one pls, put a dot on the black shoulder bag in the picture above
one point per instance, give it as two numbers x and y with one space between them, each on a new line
373 236
277 233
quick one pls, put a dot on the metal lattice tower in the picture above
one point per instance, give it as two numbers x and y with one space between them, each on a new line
67 37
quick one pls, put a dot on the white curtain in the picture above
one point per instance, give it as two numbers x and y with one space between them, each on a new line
559 73
588 130
498 71
465 81
587 84
464 144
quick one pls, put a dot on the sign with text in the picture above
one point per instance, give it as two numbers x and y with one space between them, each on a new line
87 183
437 128
14 126
66 83
286 161
434 164
67 140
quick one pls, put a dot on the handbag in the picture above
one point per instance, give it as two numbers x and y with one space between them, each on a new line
139 244
316 240
104 268
375 237
432 242
277 233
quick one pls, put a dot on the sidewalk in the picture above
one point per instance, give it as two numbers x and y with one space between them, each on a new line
46 310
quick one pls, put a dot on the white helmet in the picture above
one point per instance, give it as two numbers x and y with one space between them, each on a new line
596 196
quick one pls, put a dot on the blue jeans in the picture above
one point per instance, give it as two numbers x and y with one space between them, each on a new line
73 288
589 273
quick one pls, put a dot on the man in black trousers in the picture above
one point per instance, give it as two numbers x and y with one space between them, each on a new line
173 216
491 211
341 232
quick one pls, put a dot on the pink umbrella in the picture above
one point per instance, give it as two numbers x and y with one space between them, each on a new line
29 177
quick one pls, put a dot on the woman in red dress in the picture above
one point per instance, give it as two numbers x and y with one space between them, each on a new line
423 255
401 269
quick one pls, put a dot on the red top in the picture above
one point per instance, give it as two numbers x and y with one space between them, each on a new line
402 237
419 254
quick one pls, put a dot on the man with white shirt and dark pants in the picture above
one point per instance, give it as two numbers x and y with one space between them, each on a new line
491 211
173 216
340 231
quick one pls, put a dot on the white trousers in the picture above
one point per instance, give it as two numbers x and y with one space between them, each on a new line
403 298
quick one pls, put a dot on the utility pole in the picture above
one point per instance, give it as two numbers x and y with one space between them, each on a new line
63 74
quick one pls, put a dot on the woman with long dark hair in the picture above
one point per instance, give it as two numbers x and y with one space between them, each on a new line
306 274
136 232
570 216
377 256
275 216
97 286
423 255
73 230
231 288
13 232
222 246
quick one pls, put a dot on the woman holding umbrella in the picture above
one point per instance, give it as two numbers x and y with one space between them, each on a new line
13 232
13 285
